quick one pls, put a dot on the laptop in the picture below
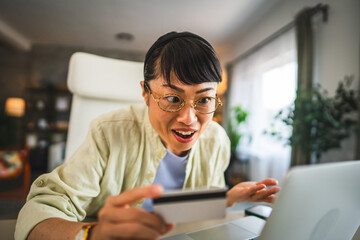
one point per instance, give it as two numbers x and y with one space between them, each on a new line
315 202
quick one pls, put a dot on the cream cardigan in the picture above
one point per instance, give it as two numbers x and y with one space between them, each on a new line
121 151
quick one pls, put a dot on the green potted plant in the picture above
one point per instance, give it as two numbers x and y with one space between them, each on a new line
319 122
237 117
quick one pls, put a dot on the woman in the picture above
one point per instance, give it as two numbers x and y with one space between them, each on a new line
134 153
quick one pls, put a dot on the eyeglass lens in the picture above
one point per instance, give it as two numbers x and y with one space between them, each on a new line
175 103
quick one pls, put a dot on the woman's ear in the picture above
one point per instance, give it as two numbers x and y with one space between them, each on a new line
145 94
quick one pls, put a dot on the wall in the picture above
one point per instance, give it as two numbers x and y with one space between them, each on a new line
44 64
14 71
337 48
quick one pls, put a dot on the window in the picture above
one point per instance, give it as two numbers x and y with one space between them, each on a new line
263 84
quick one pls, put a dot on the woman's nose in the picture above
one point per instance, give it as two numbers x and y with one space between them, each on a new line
187 114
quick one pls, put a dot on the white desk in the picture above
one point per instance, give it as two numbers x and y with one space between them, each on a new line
7 227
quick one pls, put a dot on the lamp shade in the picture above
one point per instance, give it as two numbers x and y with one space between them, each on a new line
15 107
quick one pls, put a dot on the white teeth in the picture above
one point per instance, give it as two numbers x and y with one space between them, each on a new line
185 133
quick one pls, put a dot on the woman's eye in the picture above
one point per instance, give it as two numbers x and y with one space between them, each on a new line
204 100
172 99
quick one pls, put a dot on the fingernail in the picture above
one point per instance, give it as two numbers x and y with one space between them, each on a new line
157 189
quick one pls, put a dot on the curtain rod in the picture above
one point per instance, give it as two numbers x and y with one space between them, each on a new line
318 8
323 8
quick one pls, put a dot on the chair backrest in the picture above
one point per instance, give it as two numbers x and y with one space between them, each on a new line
99 85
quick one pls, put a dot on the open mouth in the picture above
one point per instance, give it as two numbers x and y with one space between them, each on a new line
183 134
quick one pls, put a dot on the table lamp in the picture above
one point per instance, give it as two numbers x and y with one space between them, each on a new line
15 107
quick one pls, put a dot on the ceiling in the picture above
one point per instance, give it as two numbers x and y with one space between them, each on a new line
94 23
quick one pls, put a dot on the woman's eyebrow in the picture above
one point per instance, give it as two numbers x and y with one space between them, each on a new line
174 87
182 90
205 90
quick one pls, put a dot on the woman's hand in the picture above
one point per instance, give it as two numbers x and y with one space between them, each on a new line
117 220
253 192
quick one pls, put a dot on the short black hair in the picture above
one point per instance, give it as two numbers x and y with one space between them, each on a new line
190 57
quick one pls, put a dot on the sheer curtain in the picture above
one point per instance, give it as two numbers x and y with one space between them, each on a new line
263 83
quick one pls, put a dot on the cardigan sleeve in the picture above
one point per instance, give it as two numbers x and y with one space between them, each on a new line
66 191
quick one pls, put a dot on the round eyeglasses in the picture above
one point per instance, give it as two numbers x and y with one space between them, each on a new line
173 102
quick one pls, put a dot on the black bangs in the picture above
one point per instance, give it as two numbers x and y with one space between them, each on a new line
187 56
190 60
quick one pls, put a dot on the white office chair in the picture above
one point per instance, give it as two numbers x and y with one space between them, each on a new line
99 85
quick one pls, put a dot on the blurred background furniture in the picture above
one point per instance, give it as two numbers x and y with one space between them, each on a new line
15 173
99 85
38 122
46 124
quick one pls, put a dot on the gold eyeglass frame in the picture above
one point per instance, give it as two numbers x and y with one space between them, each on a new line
157 100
